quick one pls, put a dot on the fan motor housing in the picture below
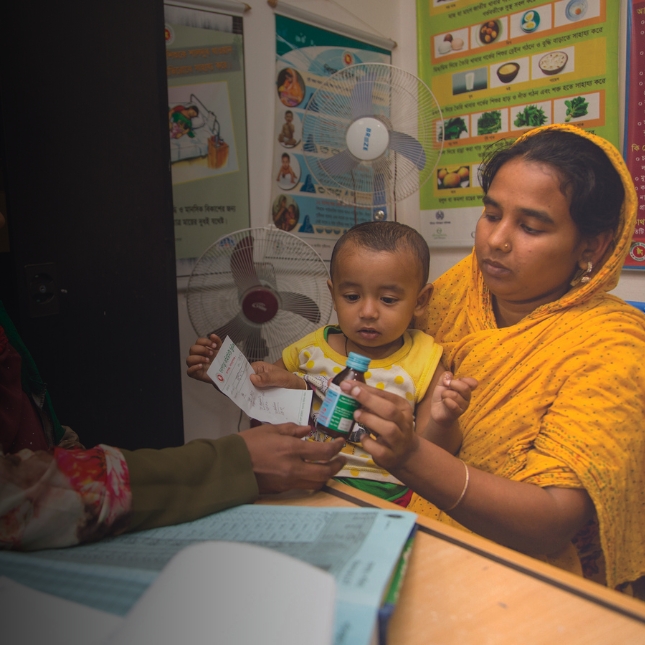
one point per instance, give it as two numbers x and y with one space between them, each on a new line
367 138
259 305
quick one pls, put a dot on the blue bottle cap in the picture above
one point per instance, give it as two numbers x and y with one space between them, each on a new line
358 362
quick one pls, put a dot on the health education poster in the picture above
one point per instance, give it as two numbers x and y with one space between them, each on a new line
306 56
634 149
499 68
207 129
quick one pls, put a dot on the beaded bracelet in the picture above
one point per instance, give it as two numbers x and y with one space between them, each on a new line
463 492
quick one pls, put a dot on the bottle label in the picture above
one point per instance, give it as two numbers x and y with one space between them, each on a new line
337 410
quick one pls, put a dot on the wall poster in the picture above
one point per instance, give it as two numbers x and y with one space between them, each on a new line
498 68
207 129
305 57
634 150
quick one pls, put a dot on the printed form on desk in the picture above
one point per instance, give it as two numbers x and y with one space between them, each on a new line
363 549
230 371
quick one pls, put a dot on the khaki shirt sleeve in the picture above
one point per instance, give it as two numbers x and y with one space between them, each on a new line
175 485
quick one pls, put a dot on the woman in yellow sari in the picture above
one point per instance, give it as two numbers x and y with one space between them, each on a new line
552 461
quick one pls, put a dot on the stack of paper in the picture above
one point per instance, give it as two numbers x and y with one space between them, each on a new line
358 548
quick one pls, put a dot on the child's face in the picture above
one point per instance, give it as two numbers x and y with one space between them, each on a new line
285 163
192 113
288 117
376 294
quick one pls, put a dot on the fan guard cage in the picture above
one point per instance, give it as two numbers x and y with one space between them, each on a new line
402 102
265 272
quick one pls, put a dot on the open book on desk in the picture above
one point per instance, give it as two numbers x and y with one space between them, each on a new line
360 548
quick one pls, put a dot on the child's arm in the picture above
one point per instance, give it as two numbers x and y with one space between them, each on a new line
200 356
446 399
275 375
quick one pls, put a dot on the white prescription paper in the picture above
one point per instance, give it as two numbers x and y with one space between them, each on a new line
231 371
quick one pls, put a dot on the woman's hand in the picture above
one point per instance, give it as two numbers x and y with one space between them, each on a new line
282 461
200 356
389 418
275 375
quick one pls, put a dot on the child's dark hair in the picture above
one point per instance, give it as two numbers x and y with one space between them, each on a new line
284 154
587 177
385 236
288 112
194 107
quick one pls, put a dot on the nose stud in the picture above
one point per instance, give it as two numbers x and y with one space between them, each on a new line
507 247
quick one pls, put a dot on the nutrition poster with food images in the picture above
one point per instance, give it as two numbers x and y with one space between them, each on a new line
207 129
306 56
634 148
499 68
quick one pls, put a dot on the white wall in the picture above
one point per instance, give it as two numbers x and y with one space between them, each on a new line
206 412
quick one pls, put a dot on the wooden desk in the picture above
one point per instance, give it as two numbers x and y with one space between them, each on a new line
461 588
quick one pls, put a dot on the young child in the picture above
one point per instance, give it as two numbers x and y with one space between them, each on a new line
379 273
181 121
286 169
286 136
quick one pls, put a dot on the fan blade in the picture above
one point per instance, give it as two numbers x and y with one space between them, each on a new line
255 347
242 266
360 100
340 163
409 147
300 304
237 329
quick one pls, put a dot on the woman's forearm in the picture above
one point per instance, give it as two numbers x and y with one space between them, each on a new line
523 516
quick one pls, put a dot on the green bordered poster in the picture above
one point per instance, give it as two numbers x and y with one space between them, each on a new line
306 57
499 68
207 129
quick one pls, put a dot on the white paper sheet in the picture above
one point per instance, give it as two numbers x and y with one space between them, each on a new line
231 371
30 617
228 592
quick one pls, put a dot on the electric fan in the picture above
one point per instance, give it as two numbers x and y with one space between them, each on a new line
263 287
370 134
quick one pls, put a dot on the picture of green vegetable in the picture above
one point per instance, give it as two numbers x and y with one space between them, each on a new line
530 116
489 122
452 128
576 108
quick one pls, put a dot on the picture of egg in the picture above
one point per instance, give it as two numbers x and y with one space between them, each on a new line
457 44
489 32
444 47
530 21
576 10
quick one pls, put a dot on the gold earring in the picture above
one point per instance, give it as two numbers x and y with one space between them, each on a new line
586 277
582 275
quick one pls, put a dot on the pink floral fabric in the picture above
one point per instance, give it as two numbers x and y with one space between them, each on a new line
63 497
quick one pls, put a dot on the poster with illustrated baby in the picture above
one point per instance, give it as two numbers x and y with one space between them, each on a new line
306 56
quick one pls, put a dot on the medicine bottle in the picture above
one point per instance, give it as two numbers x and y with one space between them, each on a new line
336 416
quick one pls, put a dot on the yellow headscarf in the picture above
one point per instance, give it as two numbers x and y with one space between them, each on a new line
561 395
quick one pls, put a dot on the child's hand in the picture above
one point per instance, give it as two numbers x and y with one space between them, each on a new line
272 375
200 356
451 398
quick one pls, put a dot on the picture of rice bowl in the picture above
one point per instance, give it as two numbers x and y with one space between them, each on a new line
553 63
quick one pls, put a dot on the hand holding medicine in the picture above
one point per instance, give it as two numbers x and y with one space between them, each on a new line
392 438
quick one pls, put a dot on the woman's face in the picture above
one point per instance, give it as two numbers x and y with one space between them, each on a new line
527 245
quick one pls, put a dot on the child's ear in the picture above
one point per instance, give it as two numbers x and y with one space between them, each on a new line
330 286
423 299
